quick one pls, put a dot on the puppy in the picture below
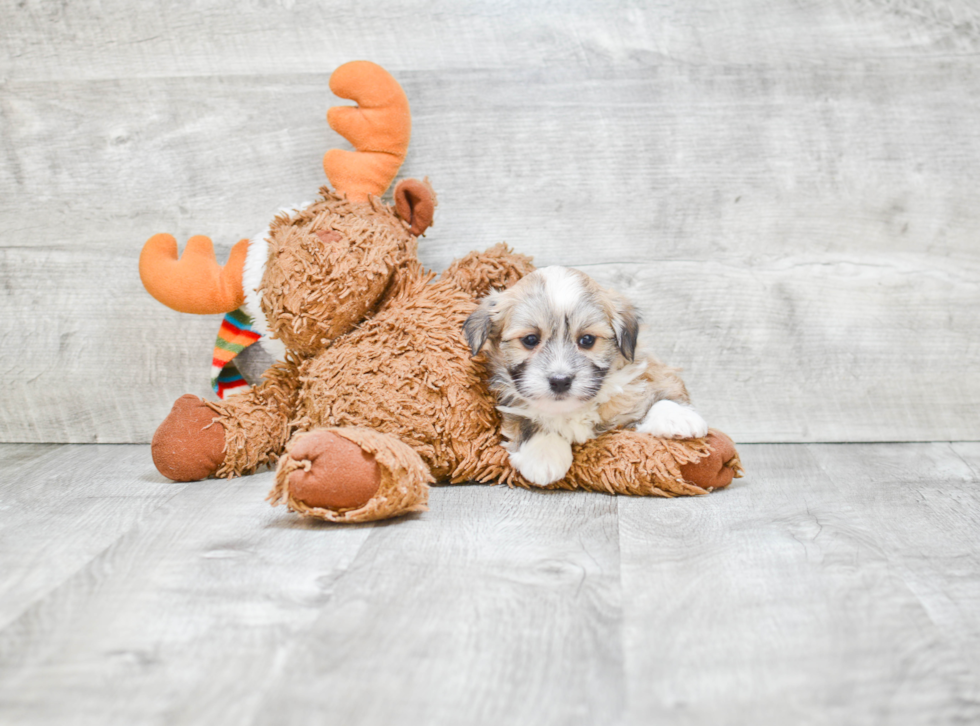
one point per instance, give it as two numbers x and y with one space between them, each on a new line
566 365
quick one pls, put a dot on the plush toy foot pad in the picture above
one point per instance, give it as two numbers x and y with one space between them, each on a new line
717 469
189 445
335 473
351 475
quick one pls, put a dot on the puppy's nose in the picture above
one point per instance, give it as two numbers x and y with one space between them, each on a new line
560 384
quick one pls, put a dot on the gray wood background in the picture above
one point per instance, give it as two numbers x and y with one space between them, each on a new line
789 189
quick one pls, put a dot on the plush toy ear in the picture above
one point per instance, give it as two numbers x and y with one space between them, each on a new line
626 325
415 202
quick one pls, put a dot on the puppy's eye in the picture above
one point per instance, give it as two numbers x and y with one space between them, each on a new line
586 341
530 341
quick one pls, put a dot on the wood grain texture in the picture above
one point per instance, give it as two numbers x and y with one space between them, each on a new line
181 618
792 349
838 584
498 606
795 184
835 584
168 38
216 608
61 507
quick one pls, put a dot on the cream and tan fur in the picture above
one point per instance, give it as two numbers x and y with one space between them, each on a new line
568 361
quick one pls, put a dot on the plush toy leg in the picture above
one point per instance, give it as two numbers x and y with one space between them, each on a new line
718 468
629 462
190 443
227 438
257 421
351 475
480 272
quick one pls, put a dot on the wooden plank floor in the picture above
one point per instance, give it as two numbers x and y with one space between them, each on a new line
835 584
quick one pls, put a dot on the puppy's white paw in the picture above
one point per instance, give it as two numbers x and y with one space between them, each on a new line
543 459
671 420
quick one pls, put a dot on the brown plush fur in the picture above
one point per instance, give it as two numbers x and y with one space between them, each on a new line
401 367
424 387
342 277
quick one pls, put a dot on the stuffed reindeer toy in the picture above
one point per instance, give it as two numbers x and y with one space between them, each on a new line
377 395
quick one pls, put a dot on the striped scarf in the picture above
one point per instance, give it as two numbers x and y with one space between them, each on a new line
235 335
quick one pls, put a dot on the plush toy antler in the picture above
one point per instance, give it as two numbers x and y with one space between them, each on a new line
195 283
379 127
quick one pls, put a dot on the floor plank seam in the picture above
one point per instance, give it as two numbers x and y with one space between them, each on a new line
952 447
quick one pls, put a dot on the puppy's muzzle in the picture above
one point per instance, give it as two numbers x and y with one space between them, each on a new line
560 384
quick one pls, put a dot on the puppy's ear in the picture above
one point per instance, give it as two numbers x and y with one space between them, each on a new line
477 329
479 324
626 325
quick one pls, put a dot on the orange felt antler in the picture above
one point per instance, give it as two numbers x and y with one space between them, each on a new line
195 283
379 127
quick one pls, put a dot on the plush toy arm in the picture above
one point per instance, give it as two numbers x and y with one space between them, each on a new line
228 438
495 269
258 422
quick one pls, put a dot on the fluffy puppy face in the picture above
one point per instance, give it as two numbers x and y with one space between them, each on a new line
552 338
